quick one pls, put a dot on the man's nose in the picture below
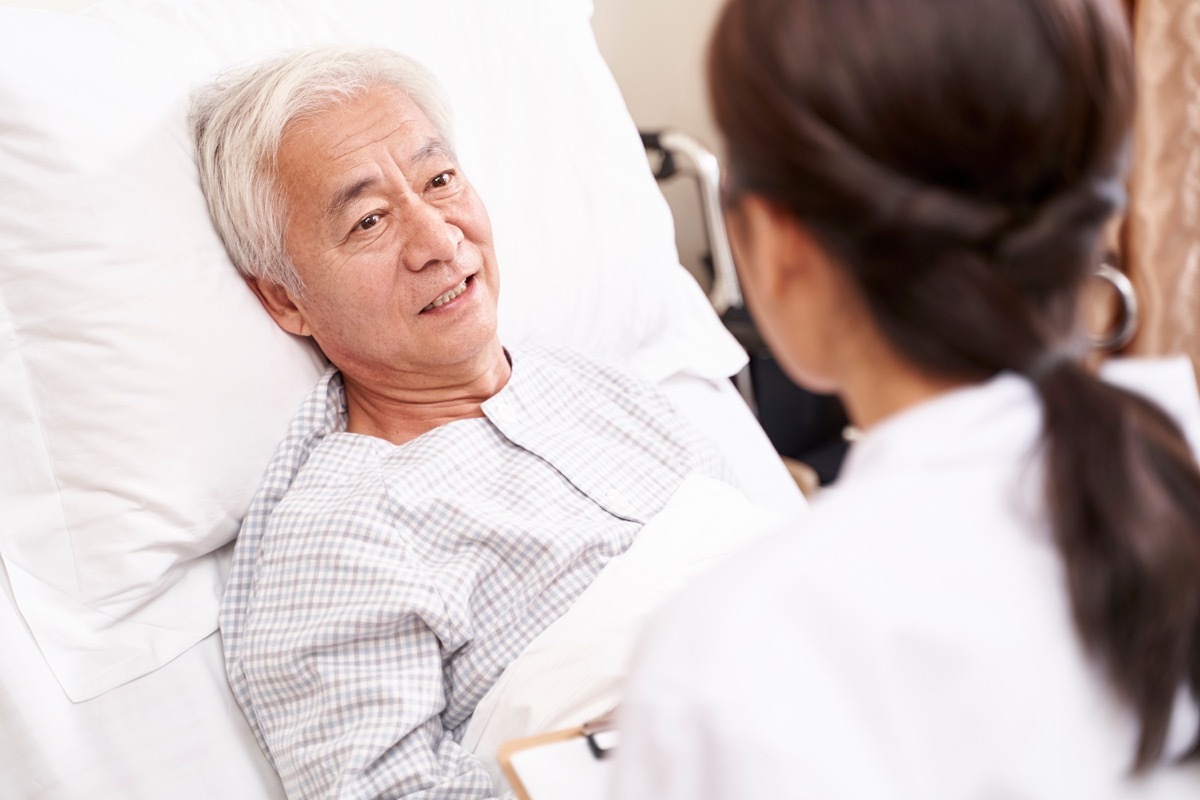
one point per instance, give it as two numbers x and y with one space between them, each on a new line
431 239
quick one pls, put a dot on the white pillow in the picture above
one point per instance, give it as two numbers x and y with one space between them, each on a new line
142 389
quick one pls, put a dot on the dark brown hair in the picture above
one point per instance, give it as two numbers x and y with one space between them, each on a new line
958 158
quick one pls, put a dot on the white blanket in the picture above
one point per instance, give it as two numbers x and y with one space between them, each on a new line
573 672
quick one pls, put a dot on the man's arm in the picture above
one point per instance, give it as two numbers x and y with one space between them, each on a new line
344 654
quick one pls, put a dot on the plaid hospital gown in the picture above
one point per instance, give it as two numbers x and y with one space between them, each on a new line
378 591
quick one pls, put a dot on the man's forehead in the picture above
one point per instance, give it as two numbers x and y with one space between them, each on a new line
340 130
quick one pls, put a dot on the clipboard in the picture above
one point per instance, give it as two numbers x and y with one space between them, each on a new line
571 764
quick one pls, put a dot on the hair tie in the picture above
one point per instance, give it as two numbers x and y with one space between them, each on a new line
1047 363
1112 189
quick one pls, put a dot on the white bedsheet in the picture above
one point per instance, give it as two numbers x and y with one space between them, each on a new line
175 733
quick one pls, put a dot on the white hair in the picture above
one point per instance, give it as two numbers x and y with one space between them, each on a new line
238 122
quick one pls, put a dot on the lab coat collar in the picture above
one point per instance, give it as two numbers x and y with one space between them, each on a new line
998 415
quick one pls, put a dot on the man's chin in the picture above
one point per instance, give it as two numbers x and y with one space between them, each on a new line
466 347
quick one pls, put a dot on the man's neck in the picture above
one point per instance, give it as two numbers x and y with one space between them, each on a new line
402 406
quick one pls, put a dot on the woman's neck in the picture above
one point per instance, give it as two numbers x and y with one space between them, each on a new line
879 383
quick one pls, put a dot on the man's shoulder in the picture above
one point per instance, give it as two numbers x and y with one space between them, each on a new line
319 464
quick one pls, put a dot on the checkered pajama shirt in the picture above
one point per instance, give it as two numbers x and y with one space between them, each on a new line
378 591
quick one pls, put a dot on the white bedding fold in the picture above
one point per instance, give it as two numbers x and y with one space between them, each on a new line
575 669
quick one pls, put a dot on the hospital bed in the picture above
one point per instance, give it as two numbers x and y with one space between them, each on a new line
142 389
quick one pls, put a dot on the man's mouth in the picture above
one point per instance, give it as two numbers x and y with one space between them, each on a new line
446 297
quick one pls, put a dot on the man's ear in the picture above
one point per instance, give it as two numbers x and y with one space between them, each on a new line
280 304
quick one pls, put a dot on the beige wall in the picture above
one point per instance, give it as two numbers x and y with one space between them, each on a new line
655 49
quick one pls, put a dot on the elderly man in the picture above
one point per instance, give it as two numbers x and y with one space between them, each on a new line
439 501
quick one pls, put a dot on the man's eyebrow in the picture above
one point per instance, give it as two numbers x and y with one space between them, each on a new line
347 196
432 149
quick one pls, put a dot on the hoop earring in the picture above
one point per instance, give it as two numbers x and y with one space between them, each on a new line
1127 322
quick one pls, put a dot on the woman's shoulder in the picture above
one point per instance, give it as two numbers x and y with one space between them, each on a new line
872 561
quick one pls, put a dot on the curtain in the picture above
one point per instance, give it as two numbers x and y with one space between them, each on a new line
1161 234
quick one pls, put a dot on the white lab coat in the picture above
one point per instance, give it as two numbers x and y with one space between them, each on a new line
912 638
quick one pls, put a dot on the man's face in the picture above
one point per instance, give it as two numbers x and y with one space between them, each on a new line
392 243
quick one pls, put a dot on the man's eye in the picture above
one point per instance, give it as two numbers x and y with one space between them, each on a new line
368 222
442 181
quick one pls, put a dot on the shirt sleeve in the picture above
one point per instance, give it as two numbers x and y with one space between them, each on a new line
346 641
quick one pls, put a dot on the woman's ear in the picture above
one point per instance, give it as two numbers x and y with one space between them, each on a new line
280 304
773 250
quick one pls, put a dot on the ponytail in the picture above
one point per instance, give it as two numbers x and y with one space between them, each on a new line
1123 494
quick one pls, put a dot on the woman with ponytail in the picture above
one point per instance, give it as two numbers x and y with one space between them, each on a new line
1001 596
